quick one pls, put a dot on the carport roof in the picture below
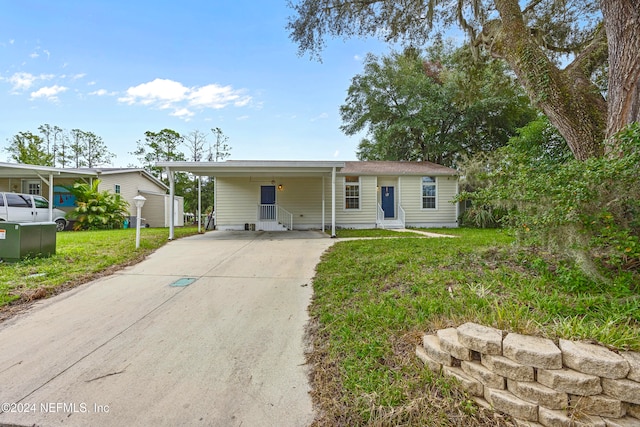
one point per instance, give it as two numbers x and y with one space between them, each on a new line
15 170
255 167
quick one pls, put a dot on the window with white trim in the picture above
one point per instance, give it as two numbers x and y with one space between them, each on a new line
352 192
429 192
116 188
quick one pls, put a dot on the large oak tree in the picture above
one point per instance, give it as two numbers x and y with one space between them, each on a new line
555 47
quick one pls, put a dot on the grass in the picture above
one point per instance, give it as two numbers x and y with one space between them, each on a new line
374 299
373 232
80 257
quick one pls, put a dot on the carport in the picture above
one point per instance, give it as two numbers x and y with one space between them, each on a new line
256 168
10 172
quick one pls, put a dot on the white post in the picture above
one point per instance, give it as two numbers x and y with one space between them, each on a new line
139 202
323 204
50 197
172 194
199 203
333 202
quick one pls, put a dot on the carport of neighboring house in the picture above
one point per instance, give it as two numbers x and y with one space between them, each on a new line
306 180
19 178
128 182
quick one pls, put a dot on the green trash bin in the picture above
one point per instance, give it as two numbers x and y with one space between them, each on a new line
29 239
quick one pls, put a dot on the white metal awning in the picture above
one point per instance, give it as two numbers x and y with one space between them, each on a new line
231 168
256 168
45 173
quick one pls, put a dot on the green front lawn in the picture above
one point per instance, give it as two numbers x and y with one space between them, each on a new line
374 299
80 256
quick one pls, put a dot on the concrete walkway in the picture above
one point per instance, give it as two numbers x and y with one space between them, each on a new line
130 349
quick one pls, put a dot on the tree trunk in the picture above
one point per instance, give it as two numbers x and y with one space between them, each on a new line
568 97
622 23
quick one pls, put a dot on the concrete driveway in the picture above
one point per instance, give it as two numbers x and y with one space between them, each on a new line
130 349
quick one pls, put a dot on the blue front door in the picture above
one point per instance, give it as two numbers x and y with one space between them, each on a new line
268 202
388 202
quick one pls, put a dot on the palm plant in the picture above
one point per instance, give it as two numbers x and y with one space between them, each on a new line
96 210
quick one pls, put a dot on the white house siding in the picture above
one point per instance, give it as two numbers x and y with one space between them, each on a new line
178 212
444 215
152 211
365 217
303 198
237 201
131 184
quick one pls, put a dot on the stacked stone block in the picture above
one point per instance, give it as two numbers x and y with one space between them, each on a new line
536 381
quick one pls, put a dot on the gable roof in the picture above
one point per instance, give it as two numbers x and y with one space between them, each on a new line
115 171
396 168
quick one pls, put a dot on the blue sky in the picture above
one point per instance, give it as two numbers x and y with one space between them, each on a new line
120 68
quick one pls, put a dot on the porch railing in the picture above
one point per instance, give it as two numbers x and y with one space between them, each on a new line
277 214
401 215
380 217
285 217
267 212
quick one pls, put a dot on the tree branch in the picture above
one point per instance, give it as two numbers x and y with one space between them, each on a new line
592 56
531 6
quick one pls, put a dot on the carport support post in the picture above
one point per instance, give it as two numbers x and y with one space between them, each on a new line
333 202
323 230
50 197
172 196
199 203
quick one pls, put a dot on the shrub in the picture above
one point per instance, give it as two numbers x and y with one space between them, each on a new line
96 210
588 209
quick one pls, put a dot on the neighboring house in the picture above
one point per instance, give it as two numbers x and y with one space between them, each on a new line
50 182
285 195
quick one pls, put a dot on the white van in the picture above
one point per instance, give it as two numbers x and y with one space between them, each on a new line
17 207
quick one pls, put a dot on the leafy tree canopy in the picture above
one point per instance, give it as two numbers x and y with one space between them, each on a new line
536 38
28 148
417 107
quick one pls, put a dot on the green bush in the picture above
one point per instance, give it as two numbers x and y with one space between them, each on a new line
96 210
587 209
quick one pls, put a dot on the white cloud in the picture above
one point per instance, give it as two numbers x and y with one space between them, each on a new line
320 117
336 154
169 94
102 92
34 55
23 81
78 76
159 90
245 117
357 57
49 93
182 113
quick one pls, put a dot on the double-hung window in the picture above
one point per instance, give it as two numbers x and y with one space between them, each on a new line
352 192
428 192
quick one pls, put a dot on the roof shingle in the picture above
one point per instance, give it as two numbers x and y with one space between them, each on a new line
396 168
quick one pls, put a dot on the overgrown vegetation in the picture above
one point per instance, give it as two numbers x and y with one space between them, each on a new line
588 209
95 209
374 300
80 257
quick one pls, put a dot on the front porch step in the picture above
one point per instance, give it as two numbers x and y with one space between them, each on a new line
270 226
391 224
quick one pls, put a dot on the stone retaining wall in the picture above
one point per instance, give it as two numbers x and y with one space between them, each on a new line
535 381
